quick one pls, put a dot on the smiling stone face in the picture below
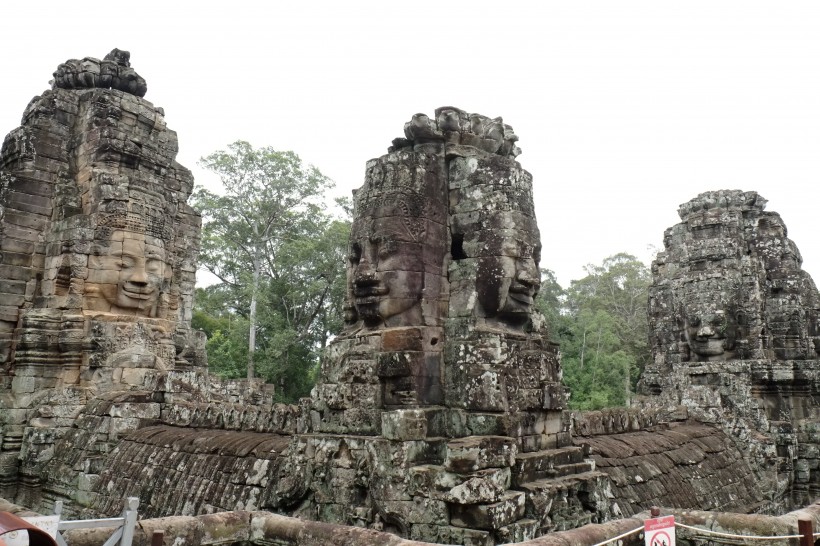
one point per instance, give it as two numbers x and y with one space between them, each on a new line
385 273
130 276
128 270
508 281
711 335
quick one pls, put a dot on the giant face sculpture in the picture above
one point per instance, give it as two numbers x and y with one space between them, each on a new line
385 274
711 335
508 281
127 273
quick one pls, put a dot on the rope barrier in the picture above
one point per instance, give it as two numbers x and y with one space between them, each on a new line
708 532
619 537
730 535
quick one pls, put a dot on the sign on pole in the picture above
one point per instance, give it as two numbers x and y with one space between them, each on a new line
659 531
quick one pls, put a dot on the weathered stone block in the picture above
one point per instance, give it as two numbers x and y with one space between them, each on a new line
473 453
445 534
489 516
411 424
419 510
483 486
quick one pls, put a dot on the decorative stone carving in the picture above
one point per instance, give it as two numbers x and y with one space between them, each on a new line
443 393
113 72
729 285
733 329
438 414
99 250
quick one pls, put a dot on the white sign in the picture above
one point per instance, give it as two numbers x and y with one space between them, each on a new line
20 538
659 531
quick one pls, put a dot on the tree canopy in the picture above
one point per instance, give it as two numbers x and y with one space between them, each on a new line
279 256
602 326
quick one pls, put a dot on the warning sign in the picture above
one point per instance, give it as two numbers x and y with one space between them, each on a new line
20 538
659 531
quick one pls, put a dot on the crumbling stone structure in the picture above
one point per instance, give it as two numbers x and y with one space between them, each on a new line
734 334
439 412
441 402
98 248
439 409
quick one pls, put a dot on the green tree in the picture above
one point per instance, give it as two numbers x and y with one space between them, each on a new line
550 303
277 252
601 323
216 314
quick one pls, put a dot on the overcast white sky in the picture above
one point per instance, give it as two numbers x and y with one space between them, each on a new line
624 109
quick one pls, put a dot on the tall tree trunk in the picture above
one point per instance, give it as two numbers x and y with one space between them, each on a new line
627 388
257 265
583 347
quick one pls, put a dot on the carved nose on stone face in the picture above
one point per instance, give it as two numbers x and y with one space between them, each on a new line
706 331
138 275
365 276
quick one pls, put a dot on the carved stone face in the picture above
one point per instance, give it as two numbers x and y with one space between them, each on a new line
385 273
130 275
508 282
711 335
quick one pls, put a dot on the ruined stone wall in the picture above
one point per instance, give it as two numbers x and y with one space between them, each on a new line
439 413
685 465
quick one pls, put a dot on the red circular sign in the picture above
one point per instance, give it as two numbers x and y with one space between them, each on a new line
661 538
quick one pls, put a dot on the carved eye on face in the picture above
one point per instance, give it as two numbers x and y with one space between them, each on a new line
740 318
125 262
355 253
386 249
154 266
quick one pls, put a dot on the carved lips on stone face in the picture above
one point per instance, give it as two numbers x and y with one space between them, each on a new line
129 277
385 273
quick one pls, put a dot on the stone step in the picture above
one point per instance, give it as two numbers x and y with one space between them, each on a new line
541 493
471 453
509 508
542 464
572 468
571 482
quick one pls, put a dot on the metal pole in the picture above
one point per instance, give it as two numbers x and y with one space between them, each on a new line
805 528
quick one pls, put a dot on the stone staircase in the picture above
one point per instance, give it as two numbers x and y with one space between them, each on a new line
562 488
489 487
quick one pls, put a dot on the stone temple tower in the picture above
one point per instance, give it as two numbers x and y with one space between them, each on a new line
438 414
98 248
734 333
443 392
